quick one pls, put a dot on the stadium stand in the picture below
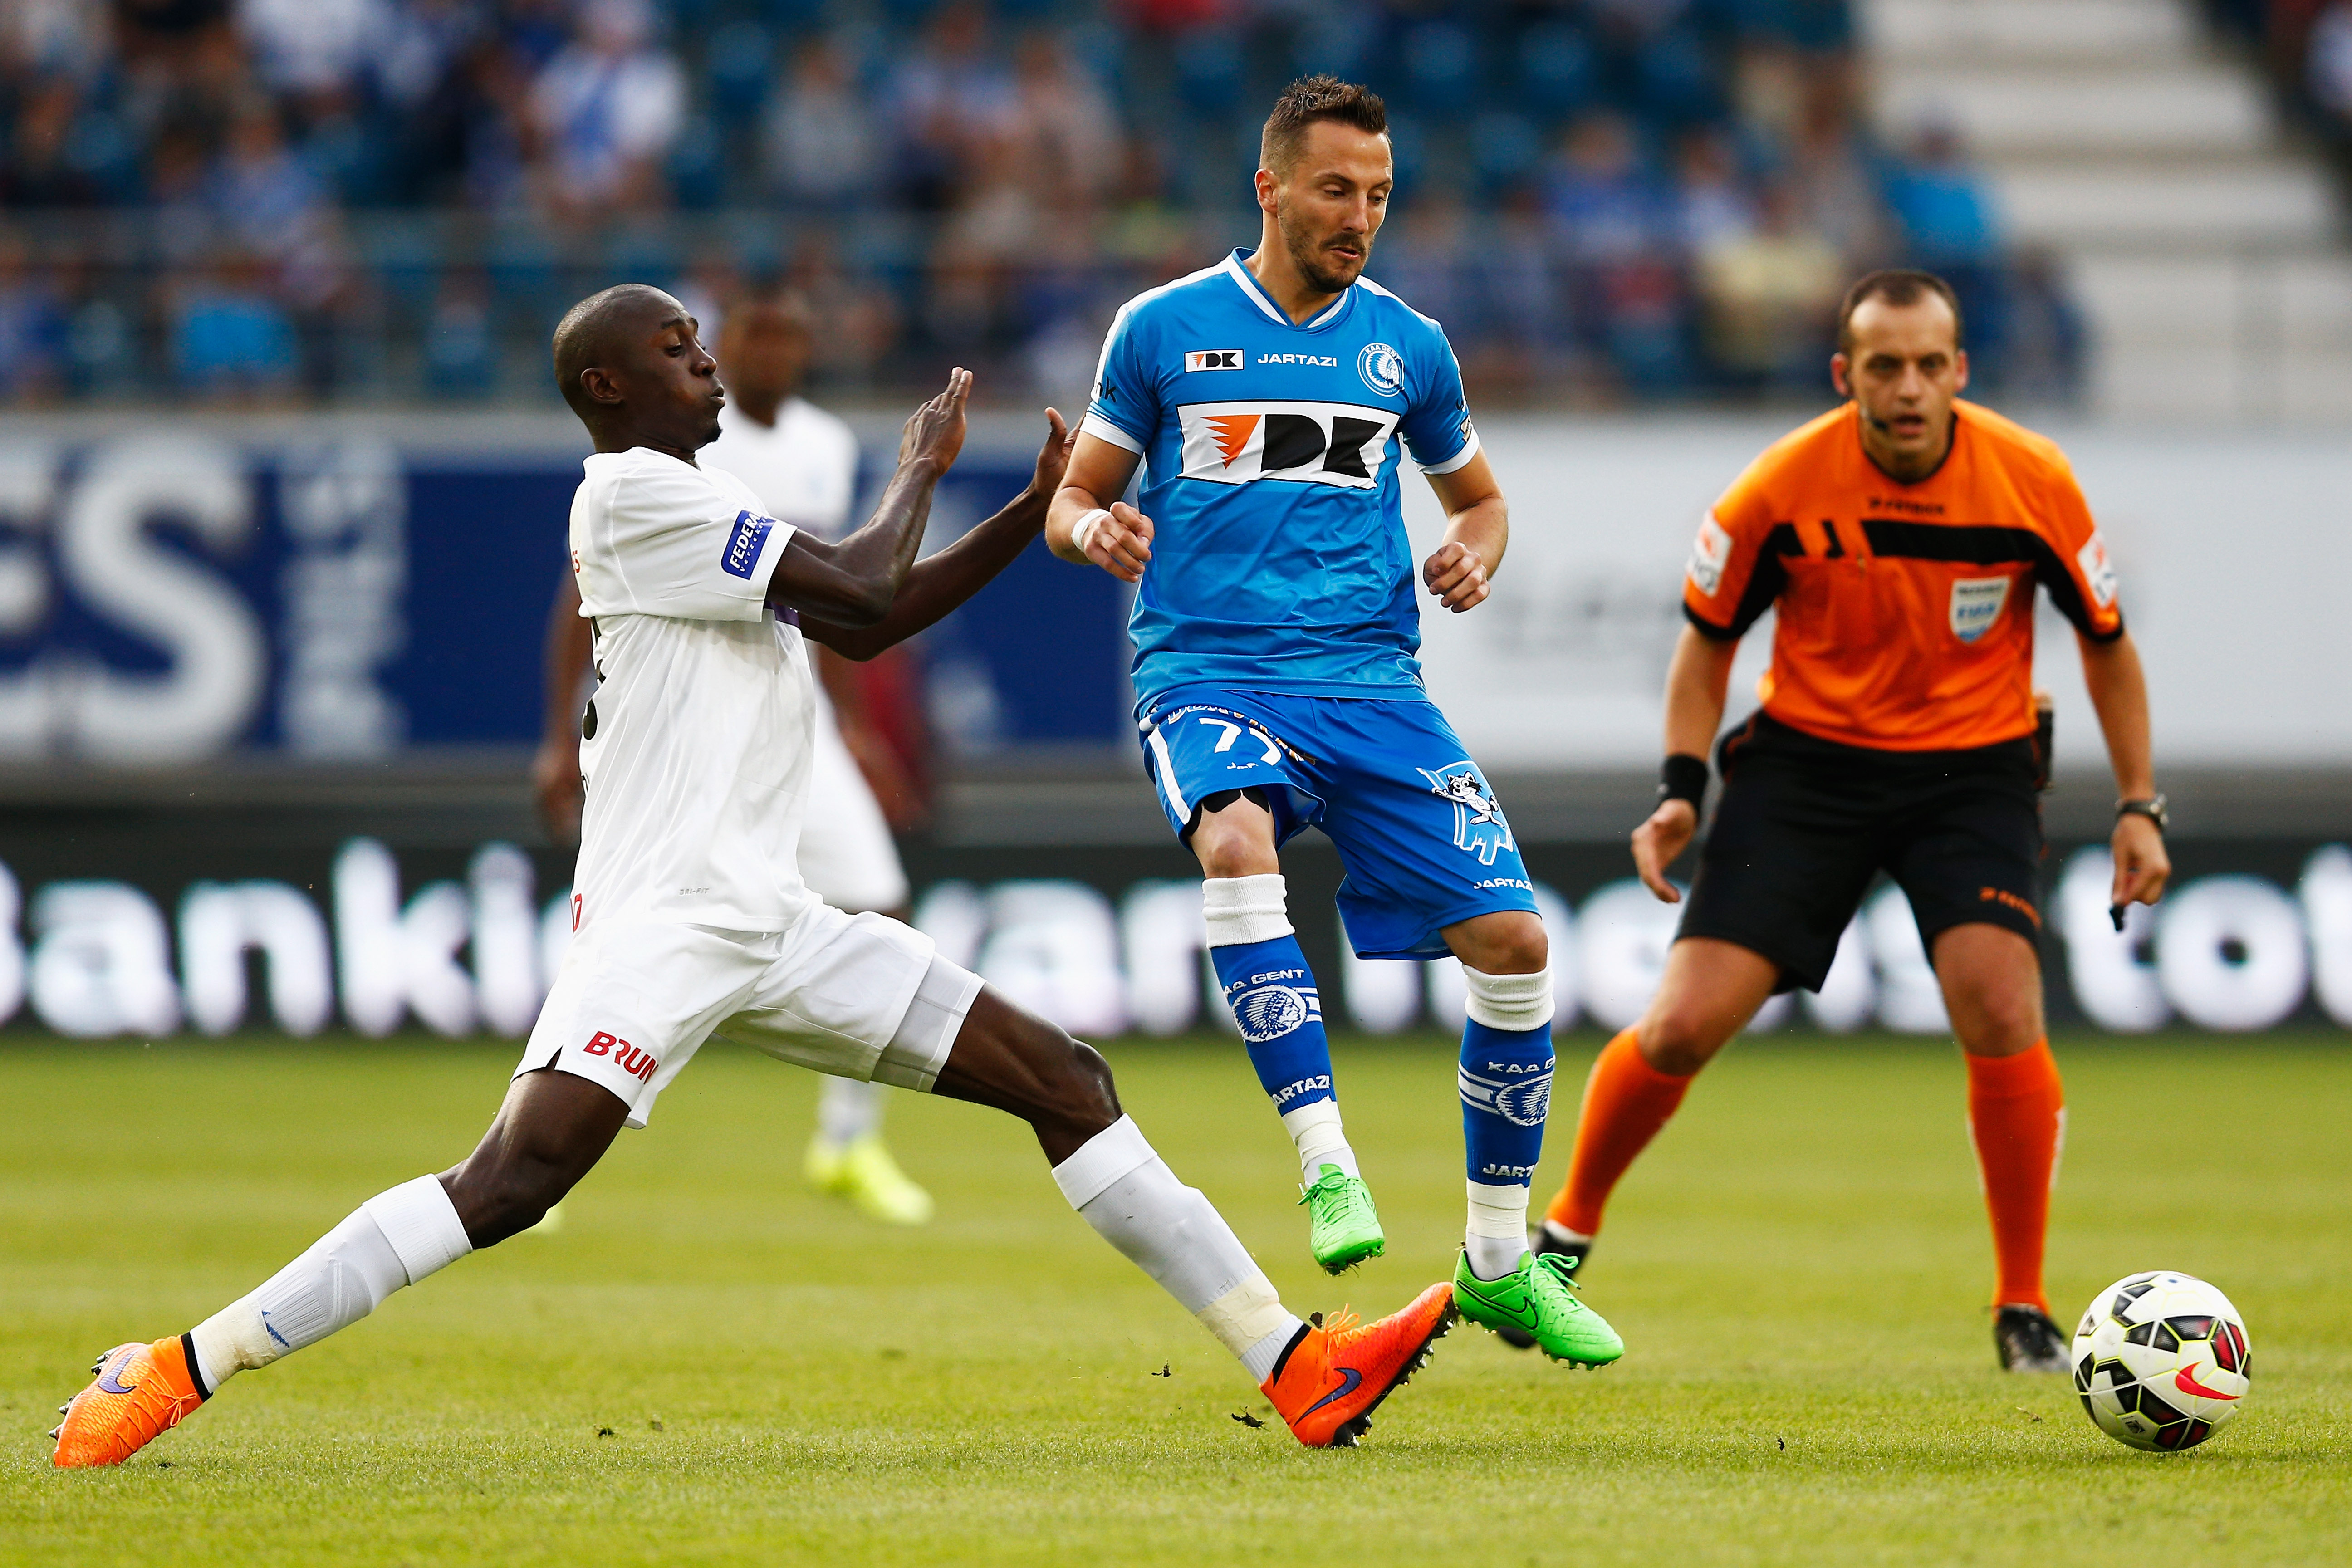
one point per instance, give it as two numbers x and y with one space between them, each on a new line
2132 145
271 202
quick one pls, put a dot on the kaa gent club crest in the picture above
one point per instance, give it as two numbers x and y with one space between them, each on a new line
1478 823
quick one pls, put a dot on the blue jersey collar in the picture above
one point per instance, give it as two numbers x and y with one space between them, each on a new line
1248 284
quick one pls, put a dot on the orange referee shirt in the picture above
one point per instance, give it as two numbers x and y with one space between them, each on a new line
1906 611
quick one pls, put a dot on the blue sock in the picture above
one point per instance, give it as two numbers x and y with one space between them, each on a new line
1274 998
1505 1083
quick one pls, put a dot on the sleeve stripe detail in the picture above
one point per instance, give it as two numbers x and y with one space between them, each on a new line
1766 578
1974 544
1096 426
1707 628
1469 450
1992 545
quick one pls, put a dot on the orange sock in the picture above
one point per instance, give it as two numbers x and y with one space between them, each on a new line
1626 1101
2017 1116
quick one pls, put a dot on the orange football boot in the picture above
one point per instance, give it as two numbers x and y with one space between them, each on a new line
140 1392
1337 1374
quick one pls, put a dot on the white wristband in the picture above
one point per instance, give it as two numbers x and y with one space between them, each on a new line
1082 533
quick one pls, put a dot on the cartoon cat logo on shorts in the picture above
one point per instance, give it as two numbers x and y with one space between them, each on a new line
1478 823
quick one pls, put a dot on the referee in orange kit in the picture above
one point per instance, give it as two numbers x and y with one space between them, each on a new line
1901 536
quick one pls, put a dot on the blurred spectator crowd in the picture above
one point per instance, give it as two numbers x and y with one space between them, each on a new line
2309 46
390 200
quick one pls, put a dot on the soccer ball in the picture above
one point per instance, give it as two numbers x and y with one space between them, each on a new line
2162 1361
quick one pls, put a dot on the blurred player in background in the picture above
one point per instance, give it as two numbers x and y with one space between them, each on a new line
1271 400
802 462
1901 537
692 919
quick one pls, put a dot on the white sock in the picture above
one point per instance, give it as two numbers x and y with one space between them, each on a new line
1119 1186
395 1238
1239 911
1497 1230
1315 1130
848 1111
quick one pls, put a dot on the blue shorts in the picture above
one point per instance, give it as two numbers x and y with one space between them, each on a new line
1424 842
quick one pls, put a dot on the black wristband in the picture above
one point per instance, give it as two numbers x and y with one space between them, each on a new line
1682 777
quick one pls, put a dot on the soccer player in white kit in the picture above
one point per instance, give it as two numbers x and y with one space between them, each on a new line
802 462
692 919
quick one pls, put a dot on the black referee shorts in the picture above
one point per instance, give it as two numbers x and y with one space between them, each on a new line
1806 824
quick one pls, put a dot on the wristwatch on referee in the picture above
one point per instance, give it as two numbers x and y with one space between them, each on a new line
2153 808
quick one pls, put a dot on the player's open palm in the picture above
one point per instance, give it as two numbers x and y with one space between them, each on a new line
1054 457
934 433
1659 843
1456 575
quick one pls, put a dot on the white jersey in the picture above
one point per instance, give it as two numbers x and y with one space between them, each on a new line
698 763
805 468
805 465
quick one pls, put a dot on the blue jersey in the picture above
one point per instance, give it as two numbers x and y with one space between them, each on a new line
1270 456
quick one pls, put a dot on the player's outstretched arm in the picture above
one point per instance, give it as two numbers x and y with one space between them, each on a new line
1478 531
939 582
852 584
1089 522
1695 683
2119 688
555 770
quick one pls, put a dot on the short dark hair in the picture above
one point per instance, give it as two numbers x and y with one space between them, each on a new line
587 333
1896 286
1309 100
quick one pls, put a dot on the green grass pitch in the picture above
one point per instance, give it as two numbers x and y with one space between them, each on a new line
707 1365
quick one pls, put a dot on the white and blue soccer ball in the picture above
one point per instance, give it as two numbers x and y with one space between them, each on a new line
2162 1361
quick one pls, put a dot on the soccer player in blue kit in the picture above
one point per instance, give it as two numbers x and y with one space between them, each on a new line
1271 399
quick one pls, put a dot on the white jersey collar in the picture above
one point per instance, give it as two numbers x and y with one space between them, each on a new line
1248 284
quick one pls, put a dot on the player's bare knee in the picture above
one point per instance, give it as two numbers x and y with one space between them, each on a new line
1094 1096
1679 1040
2001 1025
1511 942
1233 835
503 1199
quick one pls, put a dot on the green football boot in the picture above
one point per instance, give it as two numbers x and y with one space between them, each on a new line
1538 1299
1344 1228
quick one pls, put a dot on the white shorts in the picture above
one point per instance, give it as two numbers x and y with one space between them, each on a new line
846 858
858 996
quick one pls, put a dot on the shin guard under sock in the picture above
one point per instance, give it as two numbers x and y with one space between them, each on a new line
1275 1000
1130 1197
396 1238
1505 1078
2017 1118
1626 1101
